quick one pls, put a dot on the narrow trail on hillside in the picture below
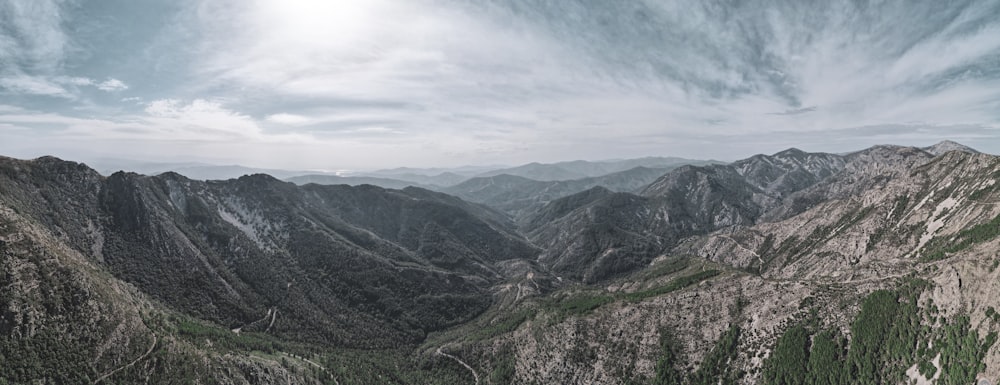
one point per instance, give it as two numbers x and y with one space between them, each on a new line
272 313
130 364
274 316
459 360
738 244
832 280
321 367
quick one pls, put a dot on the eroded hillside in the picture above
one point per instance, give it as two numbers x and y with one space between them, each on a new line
877 266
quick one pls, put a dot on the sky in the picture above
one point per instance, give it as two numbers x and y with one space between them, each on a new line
366 84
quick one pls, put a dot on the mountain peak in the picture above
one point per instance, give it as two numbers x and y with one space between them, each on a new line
172 175
54 161
257 176
947 145
791 151
48 158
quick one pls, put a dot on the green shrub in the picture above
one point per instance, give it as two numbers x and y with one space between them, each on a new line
674 285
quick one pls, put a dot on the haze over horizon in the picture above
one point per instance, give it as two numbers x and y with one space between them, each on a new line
299 84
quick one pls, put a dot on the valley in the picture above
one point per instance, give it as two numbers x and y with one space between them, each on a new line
870 267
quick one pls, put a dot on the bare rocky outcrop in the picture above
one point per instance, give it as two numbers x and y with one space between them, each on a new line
713 265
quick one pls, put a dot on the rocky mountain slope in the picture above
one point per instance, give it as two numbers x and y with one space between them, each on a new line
890 276
521 197
65 320
229 251
877 266
947 145
336 265
594 236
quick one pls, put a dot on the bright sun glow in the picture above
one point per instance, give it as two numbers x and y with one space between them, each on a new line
330 23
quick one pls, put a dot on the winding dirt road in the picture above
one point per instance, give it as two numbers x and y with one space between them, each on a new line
459 360
128 365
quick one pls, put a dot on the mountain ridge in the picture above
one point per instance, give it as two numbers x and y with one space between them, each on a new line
201 224
711 274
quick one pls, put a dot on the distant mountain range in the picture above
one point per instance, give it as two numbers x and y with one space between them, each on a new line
192 170
356 181
583 169
875 266
519 196
447 179
433 182
435 178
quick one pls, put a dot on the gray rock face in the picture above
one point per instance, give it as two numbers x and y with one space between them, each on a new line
891 216
355 259
788 171
886 207
594 237
947 145
258 281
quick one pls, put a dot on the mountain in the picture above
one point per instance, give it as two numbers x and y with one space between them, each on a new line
64 319
354 181
788 171
538 171
217 172
193 170
604 235
947 145
904 206
597 234
330 265
462 171
580 169
877 266
863 170
444 179
439 178
519 196
886 277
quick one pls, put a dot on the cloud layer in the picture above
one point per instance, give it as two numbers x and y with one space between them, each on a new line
381 83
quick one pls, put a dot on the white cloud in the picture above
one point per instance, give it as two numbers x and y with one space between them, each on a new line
57 86
111 85
167 107
5 108
74 80
204 119
377 49
376 130
288 119
33 85
36 41
171 129
475 70
515 80
165 120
